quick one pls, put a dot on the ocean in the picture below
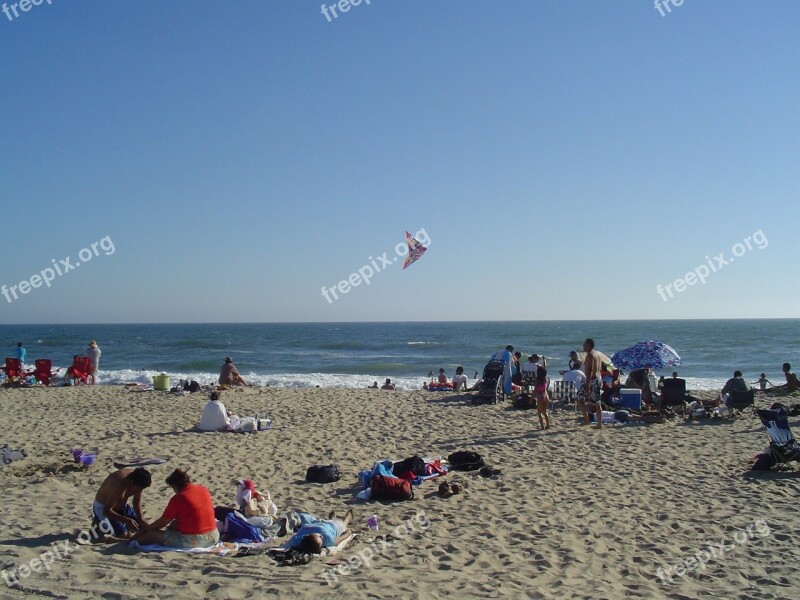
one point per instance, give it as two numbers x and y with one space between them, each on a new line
353 355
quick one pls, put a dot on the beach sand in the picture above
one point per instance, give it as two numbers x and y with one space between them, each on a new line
576 513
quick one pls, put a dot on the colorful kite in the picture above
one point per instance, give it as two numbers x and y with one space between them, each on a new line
415 250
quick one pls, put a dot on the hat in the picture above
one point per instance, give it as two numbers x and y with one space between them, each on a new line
228 359
92 344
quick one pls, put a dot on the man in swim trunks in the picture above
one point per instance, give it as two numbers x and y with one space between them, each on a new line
589 394
315 534
111 509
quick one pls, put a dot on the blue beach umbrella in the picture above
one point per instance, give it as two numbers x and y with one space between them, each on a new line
651 354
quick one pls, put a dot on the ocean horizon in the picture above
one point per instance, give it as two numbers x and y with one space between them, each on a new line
355 354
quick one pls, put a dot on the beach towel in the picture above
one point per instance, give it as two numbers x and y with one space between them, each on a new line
122 462
221 549
508 363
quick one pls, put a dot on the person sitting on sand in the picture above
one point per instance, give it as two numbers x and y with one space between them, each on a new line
763 382
110 507
388 385
188 518
460 380
442 377
315 534
229 374
791 385
214 416
542 397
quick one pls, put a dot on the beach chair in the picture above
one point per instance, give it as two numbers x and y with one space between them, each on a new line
739 402
673 393
80 369
13 369
43 371
782 445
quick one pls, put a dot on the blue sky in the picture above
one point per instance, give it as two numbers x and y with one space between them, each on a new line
563 157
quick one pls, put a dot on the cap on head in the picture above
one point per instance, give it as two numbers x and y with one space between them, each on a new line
228 359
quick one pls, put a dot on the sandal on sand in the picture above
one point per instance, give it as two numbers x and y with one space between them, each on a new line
457 488
445 490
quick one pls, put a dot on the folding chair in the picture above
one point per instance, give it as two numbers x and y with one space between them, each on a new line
673 393
13 370
80 369
739 402
43 372
782 445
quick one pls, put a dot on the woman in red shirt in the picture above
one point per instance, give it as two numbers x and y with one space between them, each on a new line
188 518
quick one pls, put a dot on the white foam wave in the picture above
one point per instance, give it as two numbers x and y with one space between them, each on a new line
310 380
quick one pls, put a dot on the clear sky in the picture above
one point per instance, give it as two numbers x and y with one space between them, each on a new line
563 157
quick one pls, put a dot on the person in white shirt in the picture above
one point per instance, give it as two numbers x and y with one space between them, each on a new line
460 380
93 352
576 375
214 416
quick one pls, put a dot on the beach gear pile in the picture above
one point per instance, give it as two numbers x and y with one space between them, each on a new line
394 480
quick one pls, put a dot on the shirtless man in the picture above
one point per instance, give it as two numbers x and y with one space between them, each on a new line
791 385
111 509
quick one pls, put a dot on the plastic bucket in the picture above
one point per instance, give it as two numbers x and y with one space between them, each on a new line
161 382
87 459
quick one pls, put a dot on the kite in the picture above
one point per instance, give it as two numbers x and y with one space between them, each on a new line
415 250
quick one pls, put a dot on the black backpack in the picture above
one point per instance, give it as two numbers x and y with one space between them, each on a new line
322 473
414 464
465 461
191 386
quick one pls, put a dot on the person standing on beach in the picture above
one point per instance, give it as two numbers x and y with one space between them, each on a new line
507 358
589 395
22 354
93 352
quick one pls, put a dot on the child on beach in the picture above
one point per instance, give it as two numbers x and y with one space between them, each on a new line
542 397
762 382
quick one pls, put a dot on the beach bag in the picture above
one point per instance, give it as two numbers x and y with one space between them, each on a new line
322 474
391 488
414 464
524 402
237 529
465 461
191 386
764 462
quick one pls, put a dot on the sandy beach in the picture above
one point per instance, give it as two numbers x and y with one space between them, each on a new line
576 512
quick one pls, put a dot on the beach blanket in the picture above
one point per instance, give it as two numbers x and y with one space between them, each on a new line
122 462
221 549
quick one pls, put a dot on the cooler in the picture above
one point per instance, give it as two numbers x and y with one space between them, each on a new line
630 399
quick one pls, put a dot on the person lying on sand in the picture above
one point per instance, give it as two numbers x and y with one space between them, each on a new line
315 534
188 518
111 509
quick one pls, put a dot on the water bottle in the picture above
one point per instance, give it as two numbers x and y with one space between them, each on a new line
372 522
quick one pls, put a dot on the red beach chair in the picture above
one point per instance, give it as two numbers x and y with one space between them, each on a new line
81 366
44 373
13 369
